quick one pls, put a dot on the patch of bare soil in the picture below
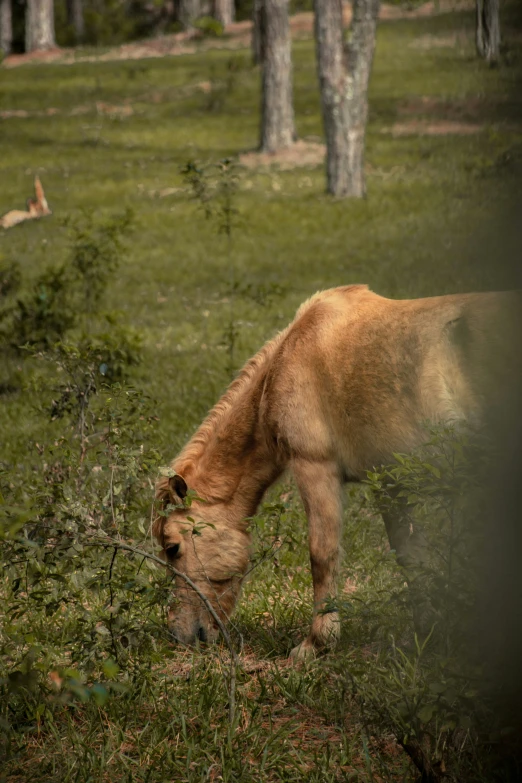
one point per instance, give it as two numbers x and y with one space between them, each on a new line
113 111
237 35
437 41
301 154
426 128
428 105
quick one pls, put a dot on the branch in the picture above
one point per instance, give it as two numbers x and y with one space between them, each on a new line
234 662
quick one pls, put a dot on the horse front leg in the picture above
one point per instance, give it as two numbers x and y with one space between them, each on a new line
320 488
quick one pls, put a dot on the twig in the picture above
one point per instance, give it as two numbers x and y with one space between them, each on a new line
112 604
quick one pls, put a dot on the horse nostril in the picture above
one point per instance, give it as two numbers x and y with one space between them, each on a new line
172 551
202 634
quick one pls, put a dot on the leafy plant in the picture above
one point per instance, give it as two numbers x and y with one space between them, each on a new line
428 695
215 187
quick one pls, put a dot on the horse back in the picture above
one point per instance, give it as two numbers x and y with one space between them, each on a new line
358 376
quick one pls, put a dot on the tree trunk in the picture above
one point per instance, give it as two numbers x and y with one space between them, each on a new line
344 73
224 11
488 30
258 32
6 26
188 11
277 111
75 18
39 25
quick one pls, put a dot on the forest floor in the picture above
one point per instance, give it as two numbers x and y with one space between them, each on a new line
444 155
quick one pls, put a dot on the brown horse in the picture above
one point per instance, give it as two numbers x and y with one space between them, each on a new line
353 379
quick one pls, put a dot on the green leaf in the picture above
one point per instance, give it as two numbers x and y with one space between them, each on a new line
100 694
110 668
425 714
167 472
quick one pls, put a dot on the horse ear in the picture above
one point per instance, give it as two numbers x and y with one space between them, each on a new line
178 485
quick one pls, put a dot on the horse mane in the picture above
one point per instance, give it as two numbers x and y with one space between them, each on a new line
196 445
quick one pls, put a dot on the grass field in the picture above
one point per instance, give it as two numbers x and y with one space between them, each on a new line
444 154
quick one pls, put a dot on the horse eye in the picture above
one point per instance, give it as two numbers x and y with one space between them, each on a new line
172 551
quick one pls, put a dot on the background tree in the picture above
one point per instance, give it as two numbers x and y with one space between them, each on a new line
39 25
258 32
488 30
75 18
224 11
187 11
344 69
277 111
6 26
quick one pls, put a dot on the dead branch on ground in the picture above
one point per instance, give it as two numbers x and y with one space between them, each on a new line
36 208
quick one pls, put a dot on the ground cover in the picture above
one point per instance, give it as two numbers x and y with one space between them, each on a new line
106 135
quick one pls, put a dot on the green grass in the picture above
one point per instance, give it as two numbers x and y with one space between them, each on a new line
436 206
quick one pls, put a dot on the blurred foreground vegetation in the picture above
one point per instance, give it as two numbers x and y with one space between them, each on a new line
123 317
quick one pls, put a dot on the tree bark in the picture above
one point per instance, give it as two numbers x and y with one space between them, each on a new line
224 11
188 11
75 18
39 25
258 32
277 111
6 26
488 30
344 73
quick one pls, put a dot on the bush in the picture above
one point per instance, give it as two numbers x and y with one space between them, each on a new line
209 27
63 297
429 695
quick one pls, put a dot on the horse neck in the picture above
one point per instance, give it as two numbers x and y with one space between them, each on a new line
235 463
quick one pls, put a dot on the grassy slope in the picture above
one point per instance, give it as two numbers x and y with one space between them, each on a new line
420 232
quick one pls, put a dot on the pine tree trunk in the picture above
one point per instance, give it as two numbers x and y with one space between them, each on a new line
277 111
344 74
188 11
75 18
488 30
258 32
224 11
39 25
6 26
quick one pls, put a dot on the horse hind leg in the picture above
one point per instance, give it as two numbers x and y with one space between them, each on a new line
320 489
411 547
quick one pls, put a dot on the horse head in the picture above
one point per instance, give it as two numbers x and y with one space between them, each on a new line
199 541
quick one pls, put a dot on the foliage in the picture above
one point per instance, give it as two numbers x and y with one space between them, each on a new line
215 187
431 697
65 296
208 26
97 250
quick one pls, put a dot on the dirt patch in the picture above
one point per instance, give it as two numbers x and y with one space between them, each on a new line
301 154
237 35
437 42
468 110
430 106
17 113
113 111
425 128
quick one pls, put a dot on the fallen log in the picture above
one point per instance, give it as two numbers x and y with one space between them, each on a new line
36 208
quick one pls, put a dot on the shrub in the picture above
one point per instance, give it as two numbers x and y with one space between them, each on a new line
209 27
